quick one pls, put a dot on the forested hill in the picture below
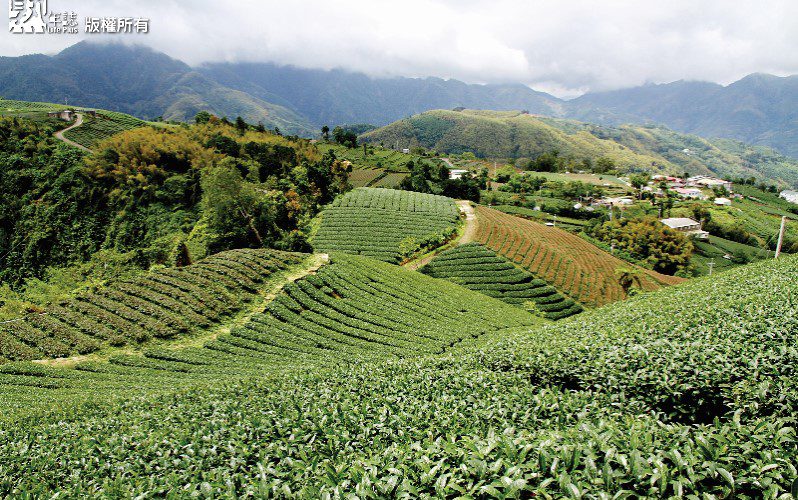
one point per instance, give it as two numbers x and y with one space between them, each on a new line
138 81
339 97
154 195
655 149
758 109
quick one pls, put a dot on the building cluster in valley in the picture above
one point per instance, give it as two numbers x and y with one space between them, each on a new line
689 188
692 188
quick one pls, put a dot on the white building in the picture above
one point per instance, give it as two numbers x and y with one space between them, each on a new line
723 202
789 195
457 173
686 226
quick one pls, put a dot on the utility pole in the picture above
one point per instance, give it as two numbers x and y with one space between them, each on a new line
710 265
781 236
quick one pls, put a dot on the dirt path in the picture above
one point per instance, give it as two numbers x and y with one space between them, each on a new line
469 229
470 221
60 134
312 264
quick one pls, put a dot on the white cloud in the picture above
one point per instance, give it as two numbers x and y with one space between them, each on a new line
562 45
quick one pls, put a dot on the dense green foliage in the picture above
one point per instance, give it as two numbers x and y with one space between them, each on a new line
649 241
387 224
685 392
211 187
162 304
427 177
633 148
478 268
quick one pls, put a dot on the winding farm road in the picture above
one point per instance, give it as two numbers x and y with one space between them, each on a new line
469 229
60 134
470 221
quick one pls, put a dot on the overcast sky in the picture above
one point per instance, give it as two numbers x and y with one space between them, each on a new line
562 46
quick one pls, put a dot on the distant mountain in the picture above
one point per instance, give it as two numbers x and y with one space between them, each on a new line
759 109
134 80
649 148
337 97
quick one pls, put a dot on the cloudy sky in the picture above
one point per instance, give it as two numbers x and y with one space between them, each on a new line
562 46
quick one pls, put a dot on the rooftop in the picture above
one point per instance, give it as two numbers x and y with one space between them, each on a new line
677 222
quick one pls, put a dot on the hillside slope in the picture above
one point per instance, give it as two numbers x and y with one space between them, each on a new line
386 224
638 148
758 109
686 392
135 80
566 261
478 268
160 305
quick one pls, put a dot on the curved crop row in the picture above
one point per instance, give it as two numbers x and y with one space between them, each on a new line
103 126
478 268
358 308
386 224
566 261
161 304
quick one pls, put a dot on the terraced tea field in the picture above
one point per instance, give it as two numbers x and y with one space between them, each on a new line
386 224
478 268
685 392
353 309
103 126
567 262
161 305
93 129
363 177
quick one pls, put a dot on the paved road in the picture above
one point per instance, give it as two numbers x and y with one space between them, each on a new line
60 134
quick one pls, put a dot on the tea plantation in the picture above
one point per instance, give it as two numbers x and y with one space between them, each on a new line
566 261
161 305
479 268
387 224
381 382
103 126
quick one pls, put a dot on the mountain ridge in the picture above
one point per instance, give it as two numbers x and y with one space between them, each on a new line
759 109
633 148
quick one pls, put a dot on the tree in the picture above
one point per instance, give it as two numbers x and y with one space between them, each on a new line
628 277
202 117
325 133
648 240
182 256
639 181
241 125
344 137
228 202
604 165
